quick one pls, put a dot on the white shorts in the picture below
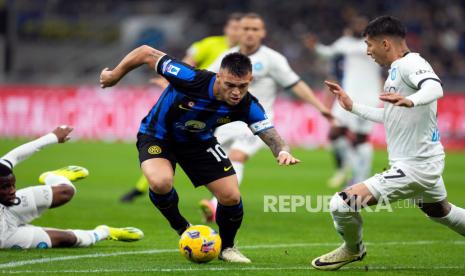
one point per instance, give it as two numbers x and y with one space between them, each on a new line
16 231
238 136
354 123
422 182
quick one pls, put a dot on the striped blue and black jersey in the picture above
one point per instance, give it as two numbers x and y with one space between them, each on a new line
188 111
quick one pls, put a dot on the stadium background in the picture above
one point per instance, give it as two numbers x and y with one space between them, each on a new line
51 54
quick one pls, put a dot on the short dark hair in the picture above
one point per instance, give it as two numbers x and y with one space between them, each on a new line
235 16
237 64
385 25
5 170
253 15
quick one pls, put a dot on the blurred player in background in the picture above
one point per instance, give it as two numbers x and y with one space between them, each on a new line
362 80
179 129
19 208
201 54
271 70
416 155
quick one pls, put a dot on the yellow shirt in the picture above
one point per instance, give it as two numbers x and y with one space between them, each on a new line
207 50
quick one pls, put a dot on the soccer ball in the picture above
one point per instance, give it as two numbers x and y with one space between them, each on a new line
200 244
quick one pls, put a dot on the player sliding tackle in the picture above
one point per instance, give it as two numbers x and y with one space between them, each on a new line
179 129
416 155
19 208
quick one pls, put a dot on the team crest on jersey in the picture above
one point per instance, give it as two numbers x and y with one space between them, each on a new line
393 73
173 70
154 150
258 66
194 125
223 120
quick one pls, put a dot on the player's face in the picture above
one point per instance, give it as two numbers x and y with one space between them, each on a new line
233 31
7 190
377 50
232 88
252 32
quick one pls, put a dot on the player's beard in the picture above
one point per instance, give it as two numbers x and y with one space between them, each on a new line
14 202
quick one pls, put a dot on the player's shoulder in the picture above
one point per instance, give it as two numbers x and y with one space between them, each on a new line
413 59
270 54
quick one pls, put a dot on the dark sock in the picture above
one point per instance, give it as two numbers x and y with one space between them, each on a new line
229 219
168 206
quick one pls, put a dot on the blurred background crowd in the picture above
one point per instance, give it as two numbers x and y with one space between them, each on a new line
69 42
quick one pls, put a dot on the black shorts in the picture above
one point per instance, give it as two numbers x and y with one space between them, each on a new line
202 161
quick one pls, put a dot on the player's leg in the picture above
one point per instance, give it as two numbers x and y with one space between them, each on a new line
142 186
229 216
361 157
340 146
435 205
345 209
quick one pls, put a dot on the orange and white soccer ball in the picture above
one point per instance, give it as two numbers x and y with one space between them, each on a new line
200 244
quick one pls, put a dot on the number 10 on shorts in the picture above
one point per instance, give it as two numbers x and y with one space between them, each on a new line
217 152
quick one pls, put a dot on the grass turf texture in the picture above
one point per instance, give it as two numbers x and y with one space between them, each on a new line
403 241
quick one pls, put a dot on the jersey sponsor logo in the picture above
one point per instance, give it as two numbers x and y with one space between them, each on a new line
189 104
223 120
173 70
421 71
261 125
194 125
227 168
258 66
154 150
393 73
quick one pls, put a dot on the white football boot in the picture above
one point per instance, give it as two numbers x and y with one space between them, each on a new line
233 255
338 258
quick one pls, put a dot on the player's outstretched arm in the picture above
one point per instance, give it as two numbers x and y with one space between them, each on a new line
304 92
137 57
21 153
279 148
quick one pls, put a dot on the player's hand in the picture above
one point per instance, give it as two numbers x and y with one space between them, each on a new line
62 133
344 100
159 81
285 158
396 99
108 78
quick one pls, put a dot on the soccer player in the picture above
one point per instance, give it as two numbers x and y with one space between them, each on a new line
201 54
179 129
416 155
362 81
19 208
270 70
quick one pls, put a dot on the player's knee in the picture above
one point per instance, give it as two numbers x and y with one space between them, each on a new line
436 210
359 139
336 132
238 156
160 184
341 203
62 194
229 198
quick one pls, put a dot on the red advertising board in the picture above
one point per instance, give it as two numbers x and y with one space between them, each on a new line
115 114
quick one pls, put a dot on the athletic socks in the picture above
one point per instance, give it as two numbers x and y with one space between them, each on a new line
85 238
347 221
168 206
455 220
229 219
239 168
361 156
340 150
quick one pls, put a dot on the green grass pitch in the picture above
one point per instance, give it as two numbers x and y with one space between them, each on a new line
403 241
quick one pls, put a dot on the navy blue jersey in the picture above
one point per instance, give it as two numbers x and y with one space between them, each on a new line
188 111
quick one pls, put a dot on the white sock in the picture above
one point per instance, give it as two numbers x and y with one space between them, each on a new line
361 164
85 238
54 180
348 223
455 220
341 147
239 168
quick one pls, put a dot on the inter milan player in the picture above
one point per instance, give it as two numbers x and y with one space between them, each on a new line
179 129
